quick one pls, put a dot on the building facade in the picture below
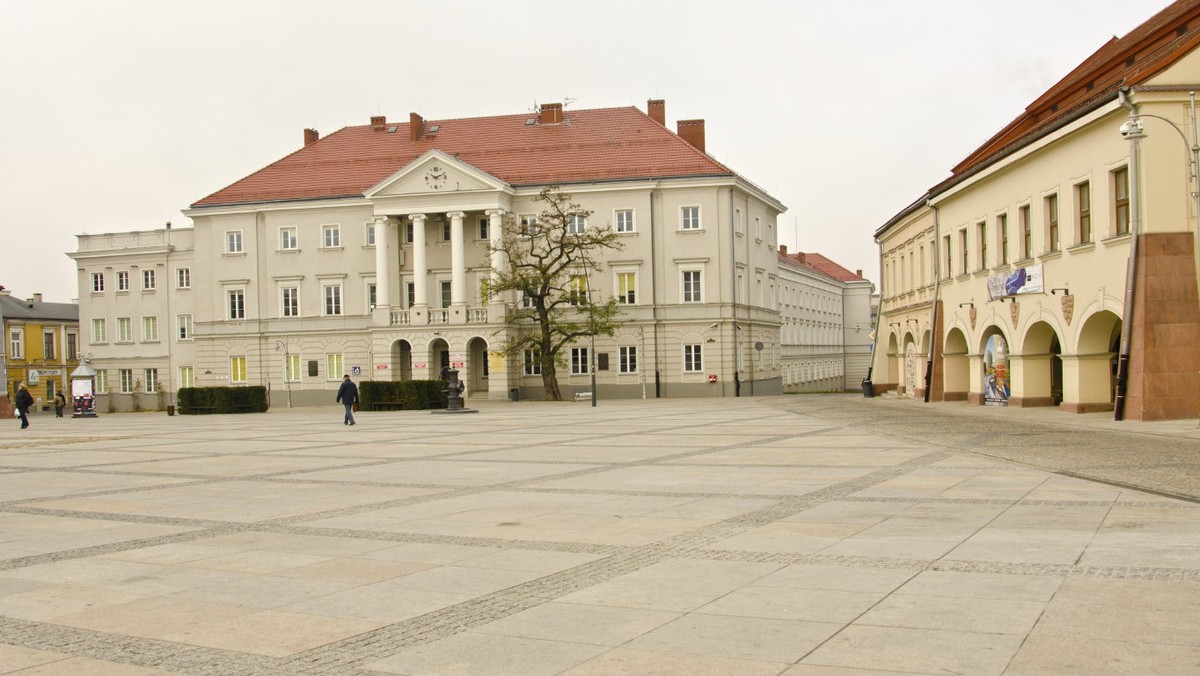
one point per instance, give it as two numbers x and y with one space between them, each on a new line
41 347
1057 266
367 253
825 324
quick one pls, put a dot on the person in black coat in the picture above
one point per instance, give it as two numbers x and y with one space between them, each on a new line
348 395
23 401
60 402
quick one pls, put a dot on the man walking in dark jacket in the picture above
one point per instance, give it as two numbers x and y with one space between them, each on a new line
23 401
348 395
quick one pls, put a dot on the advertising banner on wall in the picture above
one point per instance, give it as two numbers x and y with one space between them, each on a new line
1020 280
995 371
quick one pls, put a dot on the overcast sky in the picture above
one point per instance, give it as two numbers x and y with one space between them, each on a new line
115 115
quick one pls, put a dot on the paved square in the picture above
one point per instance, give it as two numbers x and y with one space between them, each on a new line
785 535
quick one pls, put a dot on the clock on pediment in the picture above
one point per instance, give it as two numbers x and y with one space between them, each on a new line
435 178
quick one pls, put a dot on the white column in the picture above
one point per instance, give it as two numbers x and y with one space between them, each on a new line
458 260
421 296
495 220
383 268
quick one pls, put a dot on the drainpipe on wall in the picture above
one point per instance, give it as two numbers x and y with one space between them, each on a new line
1132 130
933 314
737 390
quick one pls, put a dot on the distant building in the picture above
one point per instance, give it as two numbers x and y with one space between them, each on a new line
366 253
41 347
826 324
1009 282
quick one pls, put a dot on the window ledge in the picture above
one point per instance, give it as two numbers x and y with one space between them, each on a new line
287 251
234 254
689 231
1116 239
1050 255
1082 248
331 248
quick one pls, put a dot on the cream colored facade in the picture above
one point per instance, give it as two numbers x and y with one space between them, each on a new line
372 301
1069 188
825 330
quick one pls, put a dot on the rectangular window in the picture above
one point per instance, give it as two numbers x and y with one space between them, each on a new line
981 233
1026 232
757 229
576 224
331 236
627 288
372 296
689 218
445 289
579 361
16 344
97 282
72 347
48 345
485 293
692 286
333 367
292 369
187 376
1002 228
484 232
101 381
411 293
1052 223
149 280
124 330
126 380
964 252
288 241
693 361
237 369
233 242
289 300
1083 211
333 300
237 304
526 300
624 219
446 234
408 232
628 357
529 226
577 290
149 329
183 325
99 331
1121 200
122 280
151 380
183 278
533 362
370 234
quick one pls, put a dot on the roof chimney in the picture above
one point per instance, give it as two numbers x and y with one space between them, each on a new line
37 298
311 136
550 113
416 124
800 257
657 110
378 122
692 131
783 250
858 272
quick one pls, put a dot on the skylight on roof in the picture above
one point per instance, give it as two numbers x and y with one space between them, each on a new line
434 128
530 122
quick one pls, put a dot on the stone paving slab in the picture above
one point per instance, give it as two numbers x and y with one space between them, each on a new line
784 535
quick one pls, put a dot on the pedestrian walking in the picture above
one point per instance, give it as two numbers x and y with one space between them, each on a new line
60 402
23 401
348 395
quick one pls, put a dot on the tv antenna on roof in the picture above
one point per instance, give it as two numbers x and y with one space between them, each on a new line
568 101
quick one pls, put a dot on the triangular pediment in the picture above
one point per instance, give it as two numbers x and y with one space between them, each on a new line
433 173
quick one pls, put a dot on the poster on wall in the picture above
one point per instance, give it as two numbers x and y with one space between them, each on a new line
1017 281
995 371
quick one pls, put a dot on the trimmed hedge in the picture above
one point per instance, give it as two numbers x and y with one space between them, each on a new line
197 400
413 394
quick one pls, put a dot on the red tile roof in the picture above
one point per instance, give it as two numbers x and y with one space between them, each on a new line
1121 62
821 265
589 145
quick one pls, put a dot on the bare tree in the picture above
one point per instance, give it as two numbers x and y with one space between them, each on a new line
549 262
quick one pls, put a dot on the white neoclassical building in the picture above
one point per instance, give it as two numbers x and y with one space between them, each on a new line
366 253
